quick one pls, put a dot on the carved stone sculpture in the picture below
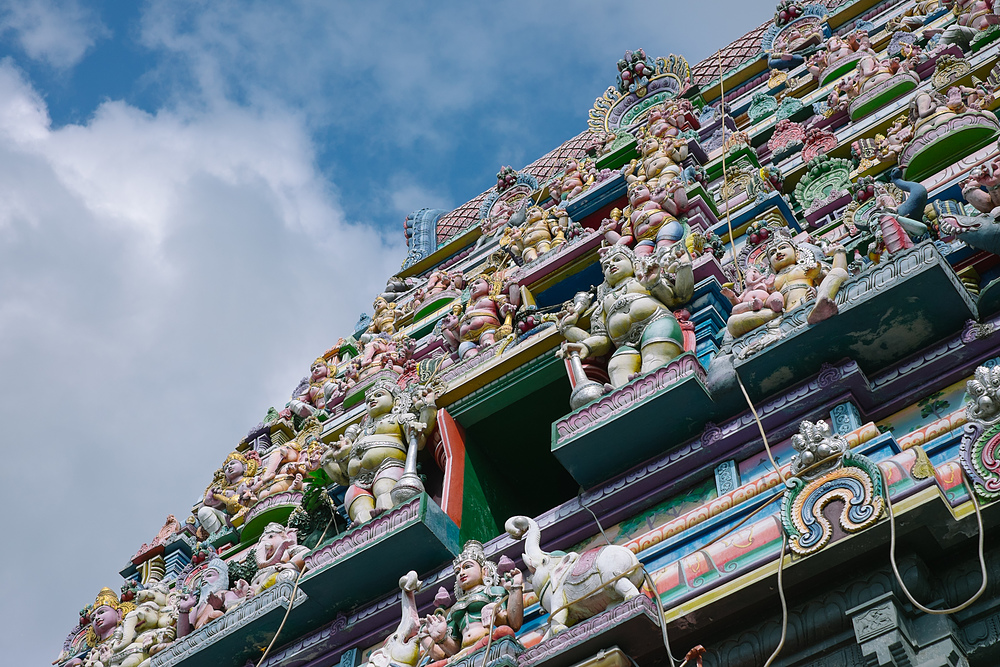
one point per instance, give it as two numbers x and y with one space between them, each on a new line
227 498
485 599
633 313
370 457
576 586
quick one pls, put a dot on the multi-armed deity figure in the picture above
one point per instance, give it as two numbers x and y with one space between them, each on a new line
798 275
288 465
211 599
488 605
633 312
105 617
311 395
370 458
225 498
540 232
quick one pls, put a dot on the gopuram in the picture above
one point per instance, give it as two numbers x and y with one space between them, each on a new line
715 382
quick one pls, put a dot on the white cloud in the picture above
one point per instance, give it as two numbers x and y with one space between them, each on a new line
58 32
164 278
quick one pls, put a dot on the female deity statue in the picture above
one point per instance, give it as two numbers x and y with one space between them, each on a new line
633 313
369 458
484 601
798 276
105 616
288 465
223 504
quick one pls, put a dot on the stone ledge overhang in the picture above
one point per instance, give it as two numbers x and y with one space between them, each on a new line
236 636
886 312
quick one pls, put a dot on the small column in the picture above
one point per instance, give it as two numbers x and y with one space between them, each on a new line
351 658
845 418
887 637
727 477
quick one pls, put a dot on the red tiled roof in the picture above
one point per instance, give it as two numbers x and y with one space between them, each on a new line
743 49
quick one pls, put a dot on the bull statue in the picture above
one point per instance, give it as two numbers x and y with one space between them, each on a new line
576 586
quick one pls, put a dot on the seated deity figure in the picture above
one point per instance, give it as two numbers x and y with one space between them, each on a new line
223 503
312 397
649 222
213 597
384 319
369 458
485 315
279 557
143 632
540 232
633 312
484 601
660 162
798 275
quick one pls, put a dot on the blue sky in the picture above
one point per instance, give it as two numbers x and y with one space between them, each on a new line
197 198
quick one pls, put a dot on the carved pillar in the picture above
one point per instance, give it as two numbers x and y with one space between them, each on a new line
350 658
889 638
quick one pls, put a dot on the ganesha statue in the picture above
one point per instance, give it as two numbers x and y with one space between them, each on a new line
279 557
371 456
659 163
573 587
229 495
488 605
632 314
796 274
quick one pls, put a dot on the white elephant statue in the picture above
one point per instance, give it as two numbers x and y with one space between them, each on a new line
576 586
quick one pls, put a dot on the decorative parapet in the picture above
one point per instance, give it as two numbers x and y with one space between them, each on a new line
503 652
227 640
670 77
941 146
338 574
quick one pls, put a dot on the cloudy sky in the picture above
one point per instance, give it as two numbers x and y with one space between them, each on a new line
197 198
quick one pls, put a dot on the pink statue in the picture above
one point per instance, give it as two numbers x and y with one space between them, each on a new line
313 396
650 220
486 316
213 597
985 176
227 497
758 293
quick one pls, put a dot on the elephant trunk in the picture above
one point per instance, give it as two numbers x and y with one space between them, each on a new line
128 630
522 526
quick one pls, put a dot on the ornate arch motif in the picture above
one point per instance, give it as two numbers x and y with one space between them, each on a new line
507 202
857 484
795 35
616 110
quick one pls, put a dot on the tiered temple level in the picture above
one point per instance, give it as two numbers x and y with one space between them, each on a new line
744 325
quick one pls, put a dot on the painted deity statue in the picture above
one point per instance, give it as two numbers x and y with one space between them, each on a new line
484 601
312 397
105 615
540 232
211 600
288 465
384 319
223 503
369 458
649 222
797 276
660 161
279 557
633 313
486 315
144 631
438 281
